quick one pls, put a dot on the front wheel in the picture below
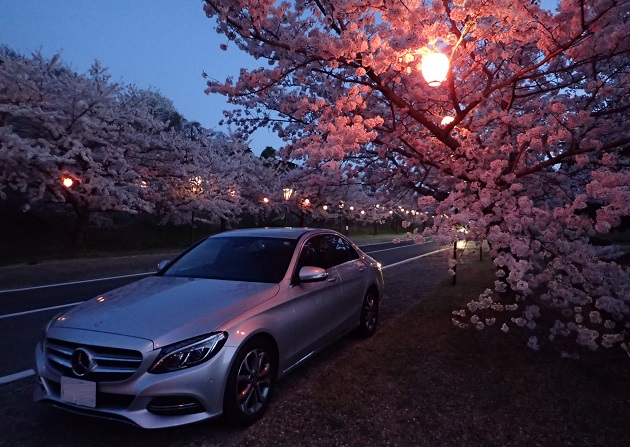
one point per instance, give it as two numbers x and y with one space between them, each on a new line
369 315
250 382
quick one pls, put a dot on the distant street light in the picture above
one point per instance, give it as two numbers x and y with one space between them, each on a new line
286 195
67 181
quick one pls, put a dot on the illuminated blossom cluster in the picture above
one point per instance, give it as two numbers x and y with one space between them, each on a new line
534 162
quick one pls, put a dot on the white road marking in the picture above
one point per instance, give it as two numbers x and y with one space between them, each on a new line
43 309
17 376
397 247
413 259
75 282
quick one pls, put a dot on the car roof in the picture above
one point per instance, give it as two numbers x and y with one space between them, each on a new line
283 233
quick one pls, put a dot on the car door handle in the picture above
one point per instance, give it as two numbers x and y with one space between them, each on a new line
361 268
333 279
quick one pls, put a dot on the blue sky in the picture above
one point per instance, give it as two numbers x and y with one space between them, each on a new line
164 44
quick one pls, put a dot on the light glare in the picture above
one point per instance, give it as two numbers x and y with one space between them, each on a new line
434 68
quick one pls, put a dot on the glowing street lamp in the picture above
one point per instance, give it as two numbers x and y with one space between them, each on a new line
195 185
287 193
67 181
447 120
435 68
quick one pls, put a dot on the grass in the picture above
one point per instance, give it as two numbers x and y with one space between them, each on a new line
422 381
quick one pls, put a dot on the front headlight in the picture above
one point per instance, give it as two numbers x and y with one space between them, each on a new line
188 353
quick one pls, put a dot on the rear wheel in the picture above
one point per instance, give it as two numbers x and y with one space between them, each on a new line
369 314
251 381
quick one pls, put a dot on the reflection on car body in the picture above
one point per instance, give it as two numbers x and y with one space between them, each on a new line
211 332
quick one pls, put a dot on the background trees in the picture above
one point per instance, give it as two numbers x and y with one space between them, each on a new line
104 147
533 156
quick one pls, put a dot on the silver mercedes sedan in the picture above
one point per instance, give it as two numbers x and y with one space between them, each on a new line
212 331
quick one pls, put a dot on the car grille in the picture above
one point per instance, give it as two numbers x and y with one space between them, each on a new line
106 364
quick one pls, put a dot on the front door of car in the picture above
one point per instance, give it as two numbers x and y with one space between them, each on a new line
314 303
352 271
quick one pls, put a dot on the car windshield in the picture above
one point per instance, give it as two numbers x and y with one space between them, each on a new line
253 259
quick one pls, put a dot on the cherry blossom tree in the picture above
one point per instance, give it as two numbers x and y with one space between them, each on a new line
533 156
67 137
214 176
104 147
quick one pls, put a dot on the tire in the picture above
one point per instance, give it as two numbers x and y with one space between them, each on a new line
369 314
250 383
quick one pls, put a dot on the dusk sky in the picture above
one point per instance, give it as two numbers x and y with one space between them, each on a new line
163 44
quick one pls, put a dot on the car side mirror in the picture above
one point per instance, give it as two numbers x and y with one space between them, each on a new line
163 264
312 274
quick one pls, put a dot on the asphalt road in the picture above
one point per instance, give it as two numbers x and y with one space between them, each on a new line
25 311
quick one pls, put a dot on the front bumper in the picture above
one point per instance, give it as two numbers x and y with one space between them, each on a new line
147 400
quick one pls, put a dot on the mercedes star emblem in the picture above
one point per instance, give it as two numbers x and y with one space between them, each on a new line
81 361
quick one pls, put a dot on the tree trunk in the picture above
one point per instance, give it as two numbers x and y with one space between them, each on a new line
83 223
82 210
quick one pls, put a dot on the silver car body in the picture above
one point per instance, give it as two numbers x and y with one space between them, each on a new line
116 338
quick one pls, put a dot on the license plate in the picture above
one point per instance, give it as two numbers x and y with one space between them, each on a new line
78 392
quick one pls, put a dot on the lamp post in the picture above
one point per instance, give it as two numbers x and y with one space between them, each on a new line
265 202
304 204
342 204
286 195
196 189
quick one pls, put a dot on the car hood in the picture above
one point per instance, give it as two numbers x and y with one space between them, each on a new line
165 309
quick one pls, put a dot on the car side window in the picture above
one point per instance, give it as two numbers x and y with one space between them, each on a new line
338 250
312 254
